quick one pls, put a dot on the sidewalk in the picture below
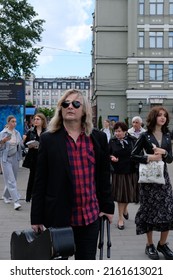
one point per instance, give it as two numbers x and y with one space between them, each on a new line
126 245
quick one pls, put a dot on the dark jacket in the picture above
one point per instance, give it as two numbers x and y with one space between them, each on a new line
53 197
30 159
125 165
145 142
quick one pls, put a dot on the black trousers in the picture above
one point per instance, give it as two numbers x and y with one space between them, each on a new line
30 184
86 238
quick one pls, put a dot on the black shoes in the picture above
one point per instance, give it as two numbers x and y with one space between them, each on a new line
121 227
164 249
126 216
151 251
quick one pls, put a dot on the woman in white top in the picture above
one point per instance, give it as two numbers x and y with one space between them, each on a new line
10 153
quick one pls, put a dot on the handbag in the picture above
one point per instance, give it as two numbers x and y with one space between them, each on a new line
52 243
152 172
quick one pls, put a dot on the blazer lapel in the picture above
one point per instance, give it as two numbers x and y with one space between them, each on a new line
63 150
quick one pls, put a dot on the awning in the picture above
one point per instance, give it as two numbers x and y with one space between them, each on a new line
30 111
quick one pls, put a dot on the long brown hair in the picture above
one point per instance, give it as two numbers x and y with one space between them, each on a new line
43 118
152 119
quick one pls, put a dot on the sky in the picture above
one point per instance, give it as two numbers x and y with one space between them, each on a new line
67 37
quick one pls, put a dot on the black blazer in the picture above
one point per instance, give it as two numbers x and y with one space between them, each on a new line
125 164
145 142
52 197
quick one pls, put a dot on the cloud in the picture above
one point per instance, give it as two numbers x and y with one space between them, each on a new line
67 26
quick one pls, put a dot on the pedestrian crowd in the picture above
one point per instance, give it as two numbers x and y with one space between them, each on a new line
78 174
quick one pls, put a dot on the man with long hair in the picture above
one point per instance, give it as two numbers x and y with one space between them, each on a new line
72 184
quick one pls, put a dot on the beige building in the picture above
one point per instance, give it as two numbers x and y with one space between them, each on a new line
45 92
132 57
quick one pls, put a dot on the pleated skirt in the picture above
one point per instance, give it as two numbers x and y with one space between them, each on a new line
125 188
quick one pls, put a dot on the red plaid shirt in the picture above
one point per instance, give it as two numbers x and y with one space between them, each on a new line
82 162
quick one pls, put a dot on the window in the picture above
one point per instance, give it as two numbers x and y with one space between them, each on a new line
141 72
45 85
156 39
73 85
36 85
141 39
156 72
54 85
171 7
82 85
170 77
156 7
170 39
141 7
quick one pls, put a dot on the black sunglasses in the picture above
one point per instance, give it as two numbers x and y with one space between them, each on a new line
76 104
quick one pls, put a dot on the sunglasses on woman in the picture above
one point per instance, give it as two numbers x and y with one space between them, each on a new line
76 104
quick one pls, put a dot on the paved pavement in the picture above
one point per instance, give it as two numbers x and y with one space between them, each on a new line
126 245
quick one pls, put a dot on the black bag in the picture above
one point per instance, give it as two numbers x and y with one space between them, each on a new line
53 243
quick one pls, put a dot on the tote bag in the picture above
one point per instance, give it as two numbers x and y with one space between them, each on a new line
152 172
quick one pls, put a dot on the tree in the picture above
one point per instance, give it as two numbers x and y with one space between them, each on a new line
47 112
19 31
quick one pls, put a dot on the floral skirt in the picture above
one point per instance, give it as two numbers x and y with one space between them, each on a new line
156 207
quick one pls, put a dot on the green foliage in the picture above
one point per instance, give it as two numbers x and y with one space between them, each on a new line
29 104
100 123
19 31
47 112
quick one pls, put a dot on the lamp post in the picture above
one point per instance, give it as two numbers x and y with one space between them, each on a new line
140 105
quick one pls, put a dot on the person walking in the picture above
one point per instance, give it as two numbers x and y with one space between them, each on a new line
72 183
30 161
106 129
11 145
124 176
136 128
156 200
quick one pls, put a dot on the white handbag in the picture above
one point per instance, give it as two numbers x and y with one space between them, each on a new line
152 172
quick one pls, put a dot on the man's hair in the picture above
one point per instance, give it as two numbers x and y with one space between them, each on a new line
137 118
57 121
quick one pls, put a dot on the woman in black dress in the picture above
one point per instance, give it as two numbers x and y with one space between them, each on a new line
156 200
30 161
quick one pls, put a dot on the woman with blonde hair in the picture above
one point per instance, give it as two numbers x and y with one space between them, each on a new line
11 145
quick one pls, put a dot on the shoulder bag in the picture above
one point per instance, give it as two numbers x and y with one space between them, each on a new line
152 172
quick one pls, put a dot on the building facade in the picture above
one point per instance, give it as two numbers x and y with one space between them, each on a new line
46 92
132 58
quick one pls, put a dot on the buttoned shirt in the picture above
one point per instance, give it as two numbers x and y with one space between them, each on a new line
81 155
